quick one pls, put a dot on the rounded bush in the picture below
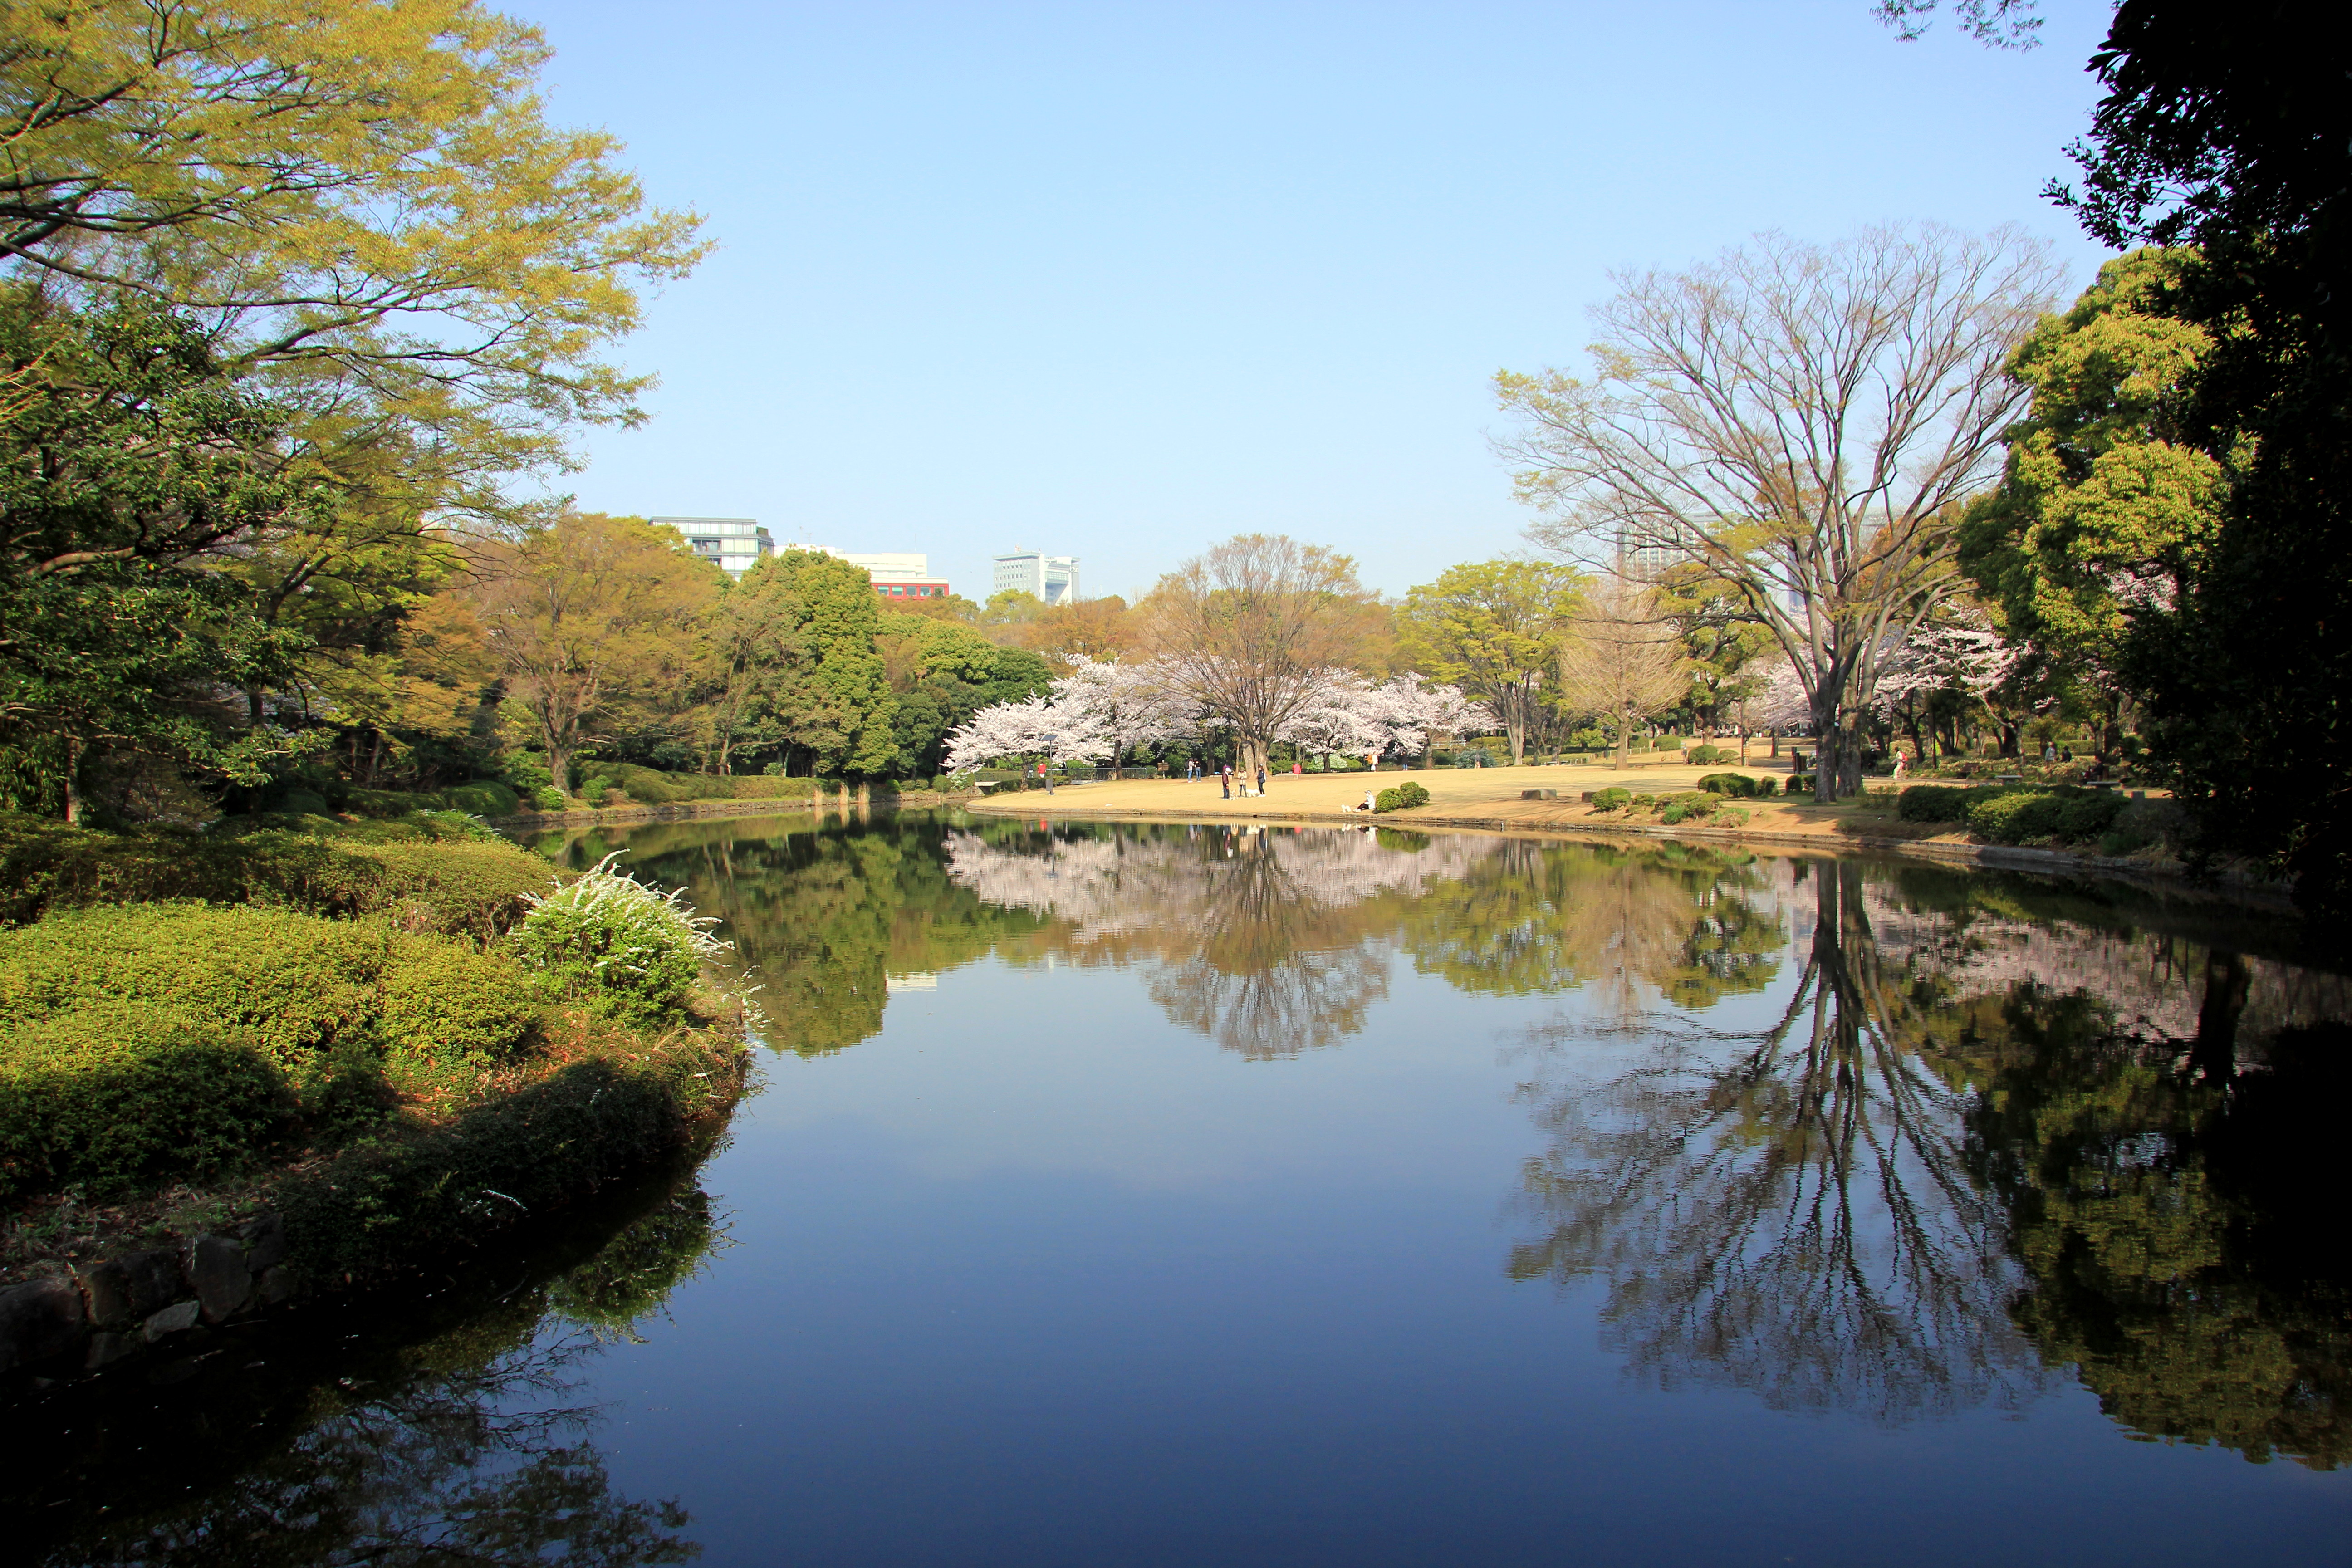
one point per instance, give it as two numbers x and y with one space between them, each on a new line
609 940
1614 798
550 798
1400 797
1933 803
1738 785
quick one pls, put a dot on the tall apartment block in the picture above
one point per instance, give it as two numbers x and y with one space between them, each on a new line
1053 578
735 543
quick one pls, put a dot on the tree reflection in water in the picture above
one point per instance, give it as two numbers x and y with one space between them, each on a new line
1790 1211
1274 942
461 1449
1984 1145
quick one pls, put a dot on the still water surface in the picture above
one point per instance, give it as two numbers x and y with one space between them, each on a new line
1197 1195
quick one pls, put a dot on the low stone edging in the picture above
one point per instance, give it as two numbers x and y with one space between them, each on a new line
119 1307
368 1215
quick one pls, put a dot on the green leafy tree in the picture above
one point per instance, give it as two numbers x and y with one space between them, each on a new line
587 619
362 200
135 472
2104 514
828 694
2226 131
1494 628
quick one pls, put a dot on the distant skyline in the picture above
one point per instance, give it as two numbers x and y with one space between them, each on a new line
1119 282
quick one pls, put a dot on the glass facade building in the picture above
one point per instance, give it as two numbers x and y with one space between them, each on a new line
735 543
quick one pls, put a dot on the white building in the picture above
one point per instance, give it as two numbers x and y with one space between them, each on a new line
1053 578
890 566
735 543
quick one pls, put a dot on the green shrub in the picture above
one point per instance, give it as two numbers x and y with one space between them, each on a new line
1767 787
476 889
118 1096
527 773
1738 785
486 797
2089 816
616 945
382 1205
550 798
1689 804
293 983
594 791
1934 803
1706 755
1644 803
445 1004
1614 798
1400 797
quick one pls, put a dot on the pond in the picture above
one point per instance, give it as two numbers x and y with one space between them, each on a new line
1198 1194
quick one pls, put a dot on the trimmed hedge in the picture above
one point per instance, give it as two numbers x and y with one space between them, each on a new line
296 986
1400 797
181 1039
1934 803
2016 816
1614 798
427 873
122 1096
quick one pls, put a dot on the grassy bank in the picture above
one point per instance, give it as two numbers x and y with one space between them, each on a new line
392 1037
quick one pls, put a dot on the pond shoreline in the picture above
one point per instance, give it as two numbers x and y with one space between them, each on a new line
337 1231
692 810
1995 857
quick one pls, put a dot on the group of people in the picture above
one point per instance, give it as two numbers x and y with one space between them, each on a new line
1225 778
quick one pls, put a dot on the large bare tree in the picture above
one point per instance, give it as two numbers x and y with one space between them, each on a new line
1802 420
1250 631
1624 659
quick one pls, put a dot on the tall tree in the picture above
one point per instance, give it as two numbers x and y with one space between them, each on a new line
1493 629
587 617
132 469
1801 422
832 703
2230 130
1247 631
1624 659
361 198
2105 516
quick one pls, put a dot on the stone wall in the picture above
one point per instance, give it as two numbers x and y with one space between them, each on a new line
127 1305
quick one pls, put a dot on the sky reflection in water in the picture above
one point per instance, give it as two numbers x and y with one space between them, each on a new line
1178 1194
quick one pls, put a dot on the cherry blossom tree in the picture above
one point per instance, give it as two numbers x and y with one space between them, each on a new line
1129 704
1062 733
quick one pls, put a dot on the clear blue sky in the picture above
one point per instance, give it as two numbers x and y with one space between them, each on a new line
1119 280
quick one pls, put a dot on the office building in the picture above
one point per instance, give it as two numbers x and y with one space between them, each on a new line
896 574
735 543
1053 578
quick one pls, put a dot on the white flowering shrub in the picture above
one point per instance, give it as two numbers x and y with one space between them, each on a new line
626 949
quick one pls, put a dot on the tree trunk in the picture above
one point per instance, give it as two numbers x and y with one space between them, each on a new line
1516 733
73 782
